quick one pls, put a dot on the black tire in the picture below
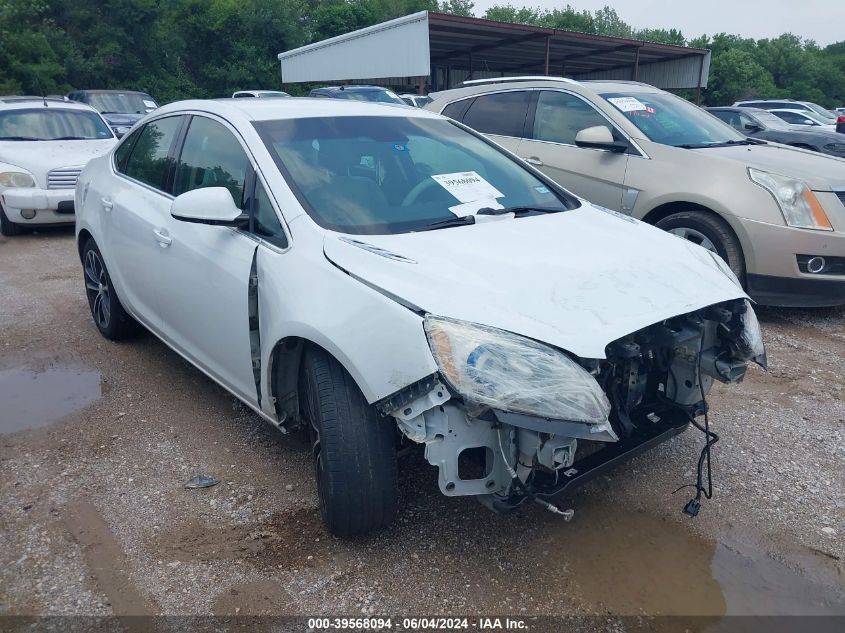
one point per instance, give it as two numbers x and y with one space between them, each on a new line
714 229
106 310
7 227
354 448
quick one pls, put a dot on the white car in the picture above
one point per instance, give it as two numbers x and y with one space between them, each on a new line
260 94
805 118
44 144
380 277
418 101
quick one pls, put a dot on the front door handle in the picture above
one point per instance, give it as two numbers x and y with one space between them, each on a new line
108 205
164 240
533 160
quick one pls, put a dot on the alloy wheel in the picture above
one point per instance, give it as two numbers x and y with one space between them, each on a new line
696 237
97 289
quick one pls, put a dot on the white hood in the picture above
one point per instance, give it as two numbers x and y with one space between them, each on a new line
577 279
40 157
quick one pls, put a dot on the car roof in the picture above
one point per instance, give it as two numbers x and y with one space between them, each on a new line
594 87
121 92
21 103
353 88
740 109
292 108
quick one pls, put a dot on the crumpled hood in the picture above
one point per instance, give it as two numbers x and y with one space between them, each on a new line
39 157
577 279
819 171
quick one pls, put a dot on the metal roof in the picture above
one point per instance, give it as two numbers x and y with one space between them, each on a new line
452 48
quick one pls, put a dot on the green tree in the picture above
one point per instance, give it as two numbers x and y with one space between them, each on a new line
458 7
735 75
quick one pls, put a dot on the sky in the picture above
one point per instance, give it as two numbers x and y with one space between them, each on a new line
820 20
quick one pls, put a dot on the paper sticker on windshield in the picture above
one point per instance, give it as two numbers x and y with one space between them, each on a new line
628 104
467 186
541 189
471 208
149 103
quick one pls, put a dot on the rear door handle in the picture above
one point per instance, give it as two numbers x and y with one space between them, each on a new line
107 204
164 240
533 160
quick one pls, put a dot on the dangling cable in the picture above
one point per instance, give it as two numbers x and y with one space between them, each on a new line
694 505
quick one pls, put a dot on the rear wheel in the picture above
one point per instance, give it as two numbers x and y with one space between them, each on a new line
108 313
708 231
7 227
353 447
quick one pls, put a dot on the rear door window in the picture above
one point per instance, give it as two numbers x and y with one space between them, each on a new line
502 113
149 161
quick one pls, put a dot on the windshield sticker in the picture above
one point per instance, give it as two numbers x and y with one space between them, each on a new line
628 104
149 103
467 186
541 189
470 208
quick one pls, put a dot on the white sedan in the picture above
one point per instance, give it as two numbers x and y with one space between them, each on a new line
380 277
44 144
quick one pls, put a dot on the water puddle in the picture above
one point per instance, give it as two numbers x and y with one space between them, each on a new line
631 563
38 394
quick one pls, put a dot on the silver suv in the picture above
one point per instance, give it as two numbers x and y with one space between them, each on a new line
775 214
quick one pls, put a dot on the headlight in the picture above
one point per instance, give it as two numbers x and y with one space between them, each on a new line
16 179
505 371
799 205
120 130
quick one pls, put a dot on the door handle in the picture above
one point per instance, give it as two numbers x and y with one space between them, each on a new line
533 160
107 204
164 240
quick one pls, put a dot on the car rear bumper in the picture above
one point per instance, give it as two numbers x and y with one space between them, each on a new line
45 206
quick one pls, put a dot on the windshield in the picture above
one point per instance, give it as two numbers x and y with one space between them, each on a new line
818 118
52 124
391 174
770 120
121 102
670 120
820 111
379 96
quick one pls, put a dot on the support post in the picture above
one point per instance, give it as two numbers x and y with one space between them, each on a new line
548 44
421 85
700 78
470 66
637 65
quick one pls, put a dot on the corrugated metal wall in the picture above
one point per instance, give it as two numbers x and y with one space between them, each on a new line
395 48
672 74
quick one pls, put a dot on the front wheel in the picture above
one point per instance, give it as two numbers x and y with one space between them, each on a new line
108 313
7 227
708 231
354 448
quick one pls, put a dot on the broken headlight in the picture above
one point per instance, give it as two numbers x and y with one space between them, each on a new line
491 367
751 340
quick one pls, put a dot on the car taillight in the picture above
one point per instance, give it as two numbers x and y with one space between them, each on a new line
840 119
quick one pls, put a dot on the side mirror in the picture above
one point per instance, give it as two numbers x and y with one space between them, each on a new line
209 205
599 137
752 127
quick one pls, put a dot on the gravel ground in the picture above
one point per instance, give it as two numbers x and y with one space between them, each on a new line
96 521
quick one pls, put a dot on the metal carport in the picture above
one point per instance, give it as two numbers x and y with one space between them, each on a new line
443 50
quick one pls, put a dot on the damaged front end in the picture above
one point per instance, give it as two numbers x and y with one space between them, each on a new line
510 419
